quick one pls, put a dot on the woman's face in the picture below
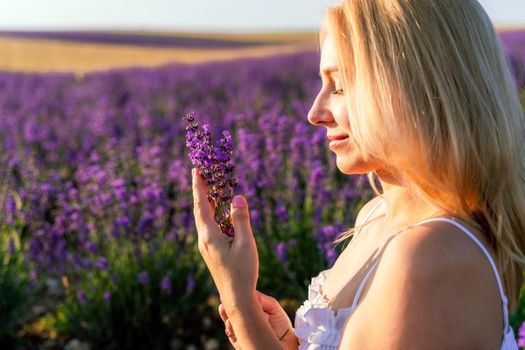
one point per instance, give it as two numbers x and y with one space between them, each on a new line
329 110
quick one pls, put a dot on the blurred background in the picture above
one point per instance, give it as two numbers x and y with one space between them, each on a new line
60 35
97 240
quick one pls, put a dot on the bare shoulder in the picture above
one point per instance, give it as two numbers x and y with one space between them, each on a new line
365 210
430 290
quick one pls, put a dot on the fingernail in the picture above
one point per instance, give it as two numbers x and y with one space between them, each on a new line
238 202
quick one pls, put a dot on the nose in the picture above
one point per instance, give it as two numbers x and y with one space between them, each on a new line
320 112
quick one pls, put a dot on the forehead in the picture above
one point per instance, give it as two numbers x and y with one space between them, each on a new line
328 63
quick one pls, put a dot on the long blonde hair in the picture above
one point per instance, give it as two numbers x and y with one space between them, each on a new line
433 98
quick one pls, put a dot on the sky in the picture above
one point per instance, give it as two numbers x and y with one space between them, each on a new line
194 15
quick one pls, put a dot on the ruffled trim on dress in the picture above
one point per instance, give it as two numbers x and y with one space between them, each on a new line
316 325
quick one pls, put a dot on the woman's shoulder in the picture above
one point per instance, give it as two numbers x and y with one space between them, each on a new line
440 251
442 237
436 279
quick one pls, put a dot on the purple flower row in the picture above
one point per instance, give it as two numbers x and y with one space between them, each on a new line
150 40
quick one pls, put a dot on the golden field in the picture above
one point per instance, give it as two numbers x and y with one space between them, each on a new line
54 55
49 55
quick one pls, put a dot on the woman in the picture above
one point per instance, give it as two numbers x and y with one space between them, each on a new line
418 93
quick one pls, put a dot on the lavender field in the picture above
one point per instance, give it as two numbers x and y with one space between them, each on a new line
514 44
98 200
97 241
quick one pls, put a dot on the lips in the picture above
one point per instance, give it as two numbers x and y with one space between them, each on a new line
336 137
337 141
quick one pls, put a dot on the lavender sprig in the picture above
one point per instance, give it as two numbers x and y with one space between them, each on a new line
215 165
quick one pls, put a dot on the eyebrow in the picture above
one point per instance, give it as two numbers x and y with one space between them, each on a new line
329 70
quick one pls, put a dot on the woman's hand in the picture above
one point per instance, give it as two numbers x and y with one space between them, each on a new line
276 316
233 262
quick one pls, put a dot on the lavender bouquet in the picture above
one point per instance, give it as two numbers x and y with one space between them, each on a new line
215 165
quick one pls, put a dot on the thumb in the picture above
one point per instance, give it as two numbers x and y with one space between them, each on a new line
267 302
241 220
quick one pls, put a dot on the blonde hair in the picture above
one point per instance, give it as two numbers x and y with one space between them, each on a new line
433 98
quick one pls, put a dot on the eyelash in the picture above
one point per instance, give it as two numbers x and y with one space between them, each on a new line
338 91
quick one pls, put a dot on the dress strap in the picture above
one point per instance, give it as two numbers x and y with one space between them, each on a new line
362 285
372 210
500 287
363 282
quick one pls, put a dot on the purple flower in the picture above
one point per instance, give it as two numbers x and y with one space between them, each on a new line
102 263
215 166
324 242
281 213
146 223
90 247
143 277
11 245
11 205
81 296
316 175
281 250
190 283
331 257
107 295
165 285
255 217
521 335
122 221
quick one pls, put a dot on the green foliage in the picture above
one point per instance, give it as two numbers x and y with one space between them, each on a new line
136 316
518 317
15 289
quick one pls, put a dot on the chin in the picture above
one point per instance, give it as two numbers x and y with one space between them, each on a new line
352 166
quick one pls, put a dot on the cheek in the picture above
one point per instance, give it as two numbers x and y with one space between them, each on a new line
341 115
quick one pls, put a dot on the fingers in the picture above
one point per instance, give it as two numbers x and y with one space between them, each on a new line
229 329
241 221
227 325
222 313
236 345
267 302
233 341
201 207
231 334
